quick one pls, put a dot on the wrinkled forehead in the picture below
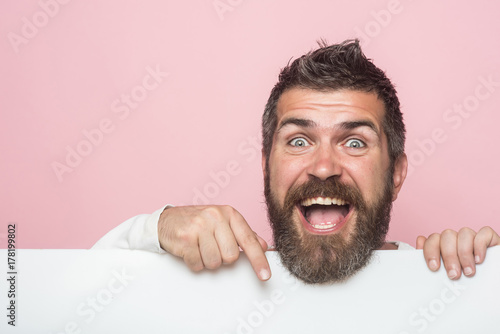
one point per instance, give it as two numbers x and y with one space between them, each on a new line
330 107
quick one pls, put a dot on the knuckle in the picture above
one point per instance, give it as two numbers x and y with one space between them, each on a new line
466 230
433 237
197 226
212 212
229 211
247 239
184 237
448 232
194 265
231 257
486 229
227 208
213 264
197 223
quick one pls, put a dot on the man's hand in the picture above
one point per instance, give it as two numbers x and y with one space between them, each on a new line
460 251
209 236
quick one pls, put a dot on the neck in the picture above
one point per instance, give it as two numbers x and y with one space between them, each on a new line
388 246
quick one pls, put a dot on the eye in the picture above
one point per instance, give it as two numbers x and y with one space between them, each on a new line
299 142
355 143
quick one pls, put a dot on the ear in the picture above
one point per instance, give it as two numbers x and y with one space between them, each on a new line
399 176
264 160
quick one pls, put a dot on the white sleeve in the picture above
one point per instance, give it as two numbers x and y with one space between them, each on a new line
139 232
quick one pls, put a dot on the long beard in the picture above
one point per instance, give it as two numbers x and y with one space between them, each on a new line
328 258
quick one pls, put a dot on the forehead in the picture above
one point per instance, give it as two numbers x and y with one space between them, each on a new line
331 107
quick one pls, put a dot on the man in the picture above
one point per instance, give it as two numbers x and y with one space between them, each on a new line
333 161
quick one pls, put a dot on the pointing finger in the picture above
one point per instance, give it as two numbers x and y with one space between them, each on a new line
250 244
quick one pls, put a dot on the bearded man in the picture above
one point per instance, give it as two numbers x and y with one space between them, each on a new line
333 161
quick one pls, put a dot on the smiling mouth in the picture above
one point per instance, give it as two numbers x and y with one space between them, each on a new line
324 214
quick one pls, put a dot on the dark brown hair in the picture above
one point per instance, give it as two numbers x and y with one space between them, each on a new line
337 67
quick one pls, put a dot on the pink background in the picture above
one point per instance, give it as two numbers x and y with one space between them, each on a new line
66 75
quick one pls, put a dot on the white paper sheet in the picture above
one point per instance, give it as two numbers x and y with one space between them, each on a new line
83 291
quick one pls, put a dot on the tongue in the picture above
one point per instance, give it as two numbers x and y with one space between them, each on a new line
325 214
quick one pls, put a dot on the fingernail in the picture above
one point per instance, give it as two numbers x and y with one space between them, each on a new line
433 264
477 258
468 271
452 273
264 274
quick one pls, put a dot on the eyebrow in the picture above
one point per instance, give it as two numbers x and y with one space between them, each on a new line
350 125
356 124
301 122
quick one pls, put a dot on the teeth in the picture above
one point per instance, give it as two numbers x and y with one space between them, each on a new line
322 201
324 226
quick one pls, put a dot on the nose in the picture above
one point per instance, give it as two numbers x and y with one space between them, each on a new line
325 162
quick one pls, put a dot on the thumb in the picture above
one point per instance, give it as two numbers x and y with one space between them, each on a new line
420 241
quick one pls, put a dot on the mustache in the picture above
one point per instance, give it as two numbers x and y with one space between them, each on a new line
330 187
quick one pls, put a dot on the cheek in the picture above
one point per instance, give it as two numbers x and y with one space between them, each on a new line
369 177
284 174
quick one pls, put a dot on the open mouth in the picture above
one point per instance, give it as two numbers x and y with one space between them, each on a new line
324 214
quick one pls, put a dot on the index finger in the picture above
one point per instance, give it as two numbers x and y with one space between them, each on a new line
248 241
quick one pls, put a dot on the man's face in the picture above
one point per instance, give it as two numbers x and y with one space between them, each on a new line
329 187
